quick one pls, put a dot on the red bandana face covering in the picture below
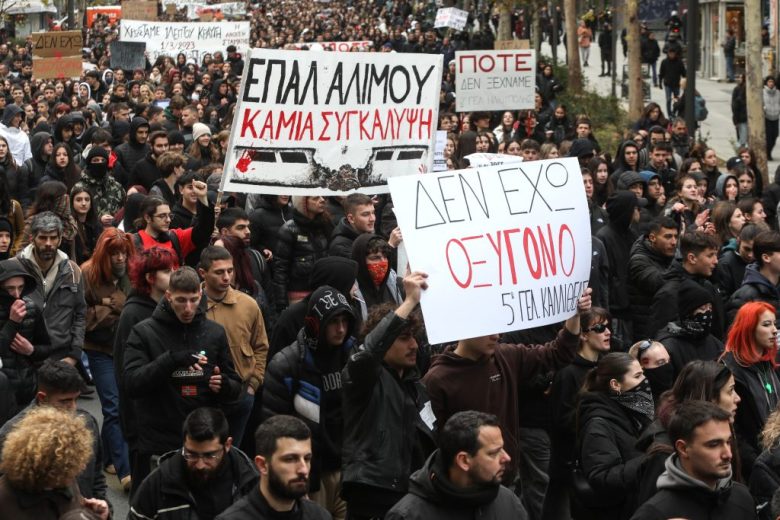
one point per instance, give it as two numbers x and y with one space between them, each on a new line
378 271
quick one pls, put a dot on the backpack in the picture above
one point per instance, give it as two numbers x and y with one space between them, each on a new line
700 111
139 244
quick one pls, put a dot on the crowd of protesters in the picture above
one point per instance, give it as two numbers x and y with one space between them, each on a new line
260 356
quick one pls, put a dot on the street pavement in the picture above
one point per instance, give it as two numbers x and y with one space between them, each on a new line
717 130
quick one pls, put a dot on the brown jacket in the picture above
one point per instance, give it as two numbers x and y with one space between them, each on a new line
47 505
242 319
104 305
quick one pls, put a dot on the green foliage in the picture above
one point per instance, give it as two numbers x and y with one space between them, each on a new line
608 118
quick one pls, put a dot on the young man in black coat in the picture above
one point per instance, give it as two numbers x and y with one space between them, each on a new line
732 265
698 482
762 278
462 479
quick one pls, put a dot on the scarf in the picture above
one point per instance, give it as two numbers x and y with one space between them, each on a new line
638 400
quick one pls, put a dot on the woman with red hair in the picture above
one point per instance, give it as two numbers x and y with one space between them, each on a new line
106 286
751 352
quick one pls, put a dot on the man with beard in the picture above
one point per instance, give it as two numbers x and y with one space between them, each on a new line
462 477
135 150
202 479
284 461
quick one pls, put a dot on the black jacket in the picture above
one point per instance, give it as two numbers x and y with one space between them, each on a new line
681 496
665 301
255 507
729 273
671 72
265 221
599 274
164 392
683 348
608 454
132 152
646 269
618 240
765 480
137 308
755 287
31 172
432 497
302 241
342 238
754 409
144 172
739 105
385 438
771 199
165 495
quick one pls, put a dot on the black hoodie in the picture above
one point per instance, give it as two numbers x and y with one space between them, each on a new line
755 287
32 170
646 270
432 496
342 239
265 221
132 152
618 239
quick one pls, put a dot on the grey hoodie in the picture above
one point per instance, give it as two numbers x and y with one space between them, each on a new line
771 103
675 478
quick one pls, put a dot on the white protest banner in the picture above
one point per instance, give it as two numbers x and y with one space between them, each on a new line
481 159
495 80
505 247
327 123
363 45
219 11
451 17
192 39
439 162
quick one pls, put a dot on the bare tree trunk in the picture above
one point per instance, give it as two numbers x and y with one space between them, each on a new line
536 27
572 47
634 61
505 19
755 100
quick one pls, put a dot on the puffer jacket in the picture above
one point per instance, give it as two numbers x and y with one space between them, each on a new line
265 221
608 454
646 269
385 437
64 308
301 242
165 495
132 152
755 287
765 480
20 369
771 104
729 273
342 239
433 497
165 393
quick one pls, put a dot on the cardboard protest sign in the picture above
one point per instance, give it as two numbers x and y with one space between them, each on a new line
328 123
505 247
128 55
451 17
192 39
501 45
57 55
495 80
139 10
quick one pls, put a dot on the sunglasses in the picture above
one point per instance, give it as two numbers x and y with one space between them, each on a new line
601 327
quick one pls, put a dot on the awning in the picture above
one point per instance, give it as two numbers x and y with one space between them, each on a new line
30 7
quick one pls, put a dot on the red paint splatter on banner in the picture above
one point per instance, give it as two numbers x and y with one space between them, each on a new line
243 163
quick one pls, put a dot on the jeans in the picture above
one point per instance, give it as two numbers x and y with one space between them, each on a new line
102 367
742 134
237 414
534 466
670 93
584 55
730 67
655 75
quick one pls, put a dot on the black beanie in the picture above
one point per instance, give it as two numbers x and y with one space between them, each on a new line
336 271
324 304
5 225
97 151
690 297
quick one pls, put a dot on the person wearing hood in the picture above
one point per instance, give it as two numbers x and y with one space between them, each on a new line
377 282
84 92
699 256
771 114
462 479
690 337
32 170
649 258
18 140
559 128
698 481
583 150
618 238
7 237
174 362
64 133
626 159
388 424
270 212
136 148
615 407
107 194
146 172
762 278
304 380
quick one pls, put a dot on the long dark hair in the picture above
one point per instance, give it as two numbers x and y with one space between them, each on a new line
47 196
71 172
614 365
5 198
92 216
245 281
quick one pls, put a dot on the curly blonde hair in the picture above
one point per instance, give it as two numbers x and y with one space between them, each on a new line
770 435
47 449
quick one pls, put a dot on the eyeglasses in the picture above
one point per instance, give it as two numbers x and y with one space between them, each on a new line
601 327
207 457
163 216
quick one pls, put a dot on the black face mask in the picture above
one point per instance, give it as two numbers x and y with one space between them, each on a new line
660 378
97 170
698 325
